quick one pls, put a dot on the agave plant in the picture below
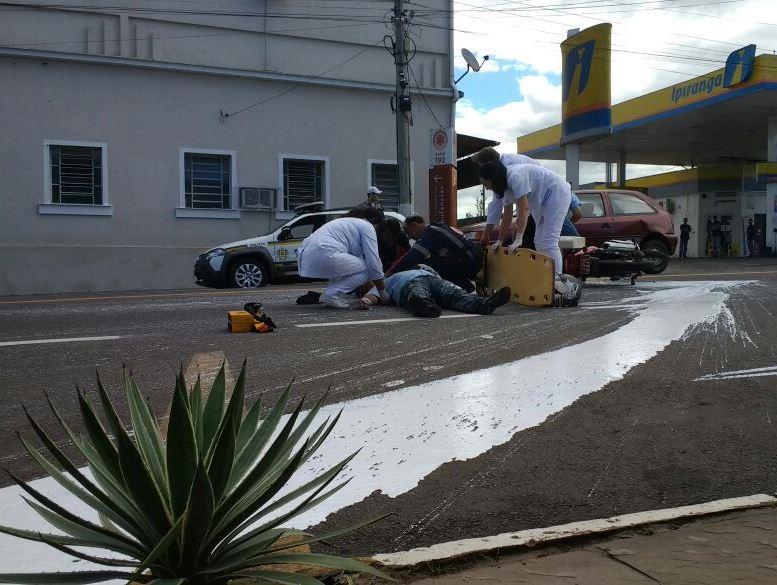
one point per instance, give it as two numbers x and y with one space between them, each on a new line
205 506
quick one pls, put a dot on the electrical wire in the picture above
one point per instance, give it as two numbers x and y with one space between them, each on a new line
423 96
227 115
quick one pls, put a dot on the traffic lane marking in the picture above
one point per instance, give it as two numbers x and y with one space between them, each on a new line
382 321
59 340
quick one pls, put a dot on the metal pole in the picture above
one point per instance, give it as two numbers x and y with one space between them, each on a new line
572 150
402 104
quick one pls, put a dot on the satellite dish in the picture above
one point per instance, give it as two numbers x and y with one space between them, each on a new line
471 60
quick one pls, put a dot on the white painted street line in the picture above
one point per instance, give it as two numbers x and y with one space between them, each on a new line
382 321
751 373
534 536
59 340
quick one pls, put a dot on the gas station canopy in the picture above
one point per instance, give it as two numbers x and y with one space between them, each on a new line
697 122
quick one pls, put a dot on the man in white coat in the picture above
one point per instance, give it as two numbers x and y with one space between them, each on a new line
536 190
345 251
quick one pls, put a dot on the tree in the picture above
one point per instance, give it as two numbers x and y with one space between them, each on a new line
480 202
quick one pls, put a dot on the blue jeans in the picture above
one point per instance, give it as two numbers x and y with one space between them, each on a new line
446 294
683 248
569 229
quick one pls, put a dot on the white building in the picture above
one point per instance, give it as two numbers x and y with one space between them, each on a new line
118 166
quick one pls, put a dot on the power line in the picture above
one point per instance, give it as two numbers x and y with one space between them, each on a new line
226 115
423 96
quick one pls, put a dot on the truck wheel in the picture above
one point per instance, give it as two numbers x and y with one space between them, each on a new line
656 255
247 273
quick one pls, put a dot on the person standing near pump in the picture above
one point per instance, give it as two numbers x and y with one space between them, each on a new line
685 235
752 239
536 190
345 251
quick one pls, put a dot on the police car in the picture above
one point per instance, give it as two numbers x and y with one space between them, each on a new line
255 262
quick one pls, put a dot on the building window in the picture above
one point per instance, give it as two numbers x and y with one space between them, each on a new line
303 182
384 177
76 174
207 180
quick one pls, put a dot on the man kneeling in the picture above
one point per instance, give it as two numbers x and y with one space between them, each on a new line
425 294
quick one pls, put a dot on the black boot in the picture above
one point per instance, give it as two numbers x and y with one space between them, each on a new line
496 300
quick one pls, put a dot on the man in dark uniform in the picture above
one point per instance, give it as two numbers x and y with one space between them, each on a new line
443 248
685 235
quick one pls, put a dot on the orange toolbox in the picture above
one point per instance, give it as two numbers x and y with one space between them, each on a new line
240 321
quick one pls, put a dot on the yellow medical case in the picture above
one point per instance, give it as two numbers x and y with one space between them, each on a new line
529 275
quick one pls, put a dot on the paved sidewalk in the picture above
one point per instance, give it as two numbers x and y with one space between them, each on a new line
740 547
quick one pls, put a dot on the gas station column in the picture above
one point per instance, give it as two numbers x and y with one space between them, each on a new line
771 188
621 169
573 164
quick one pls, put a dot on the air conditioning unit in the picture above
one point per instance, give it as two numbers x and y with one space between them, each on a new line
257 198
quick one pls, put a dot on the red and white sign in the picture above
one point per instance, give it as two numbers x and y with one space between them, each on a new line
442 147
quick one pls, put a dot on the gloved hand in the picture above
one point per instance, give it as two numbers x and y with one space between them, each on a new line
496 245
516 243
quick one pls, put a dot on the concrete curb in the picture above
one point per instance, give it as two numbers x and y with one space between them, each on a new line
536 536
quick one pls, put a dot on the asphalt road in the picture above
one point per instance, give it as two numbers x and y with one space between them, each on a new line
655 435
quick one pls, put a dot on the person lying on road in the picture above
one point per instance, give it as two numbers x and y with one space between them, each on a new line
422 292
345 251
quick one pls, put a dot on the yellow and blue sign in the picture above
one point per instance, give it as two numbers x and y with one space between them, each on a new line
766 172
739 66
586 102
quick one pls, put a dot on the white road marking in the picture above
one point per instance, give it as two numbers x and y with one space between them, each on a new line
751 373
382 321
59 340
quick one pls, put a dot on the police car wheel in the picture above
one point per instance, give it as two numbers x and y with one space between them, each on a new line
248 273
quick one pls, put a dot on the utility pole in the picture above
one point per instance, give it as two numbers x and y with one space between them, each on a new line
402 109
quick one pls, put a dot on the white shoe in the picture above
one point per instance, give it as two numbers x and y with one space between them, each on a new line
335 301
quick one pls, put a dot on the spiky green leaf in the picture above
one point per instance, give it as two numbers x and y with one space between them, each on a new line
220 465
250 424
161 547
214 409
197 520
261 436
107 513
182 453
101 442
141 486
195 407
147 435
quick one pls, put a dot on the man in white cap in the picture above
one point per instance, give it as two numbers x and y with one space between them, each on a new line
372 197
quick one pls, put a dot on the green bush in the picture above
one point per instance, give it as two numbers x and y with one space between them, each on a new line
201 507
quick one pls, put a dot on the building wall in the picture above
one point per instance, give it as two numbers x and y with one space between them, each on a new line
146 115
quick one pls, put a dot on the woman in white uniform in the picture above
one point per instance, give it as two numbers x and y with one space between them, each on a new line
535 190
494 210
345 251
